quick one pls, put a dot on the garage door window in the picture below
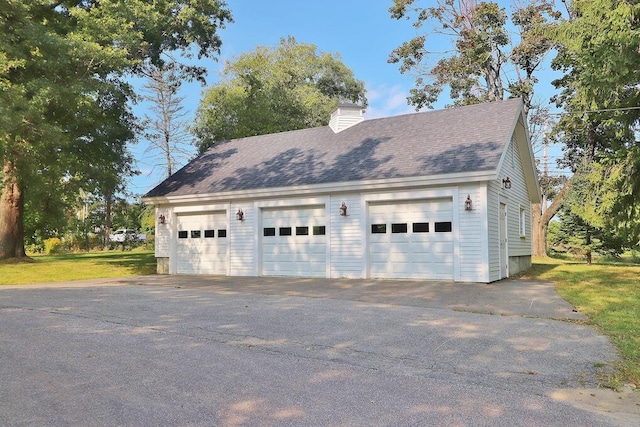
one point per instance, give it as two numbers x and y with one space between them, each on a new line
442 227
183 234
209 234
195 234
285 231
378 228
420 227
269 231
319 230
302 231
399 228
222 233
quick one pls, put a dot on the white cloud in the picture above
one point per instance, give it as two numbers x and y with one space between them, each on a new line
386 101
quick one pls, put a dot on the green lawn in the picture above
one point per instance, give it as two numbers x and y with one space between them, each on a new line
609 295
60 268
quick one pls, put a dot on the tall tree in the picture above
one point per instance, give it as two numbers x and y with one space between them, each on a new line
600 94
489 59
57 61
292 86
166 127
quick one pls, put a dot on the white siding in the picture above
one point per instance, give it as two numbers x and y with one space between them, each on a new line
243 240
163 233
473 235
515 198
512 167
494 189
344 117
346 239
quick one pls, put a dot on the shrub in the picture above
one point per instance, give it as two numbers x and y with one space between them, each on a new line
53 246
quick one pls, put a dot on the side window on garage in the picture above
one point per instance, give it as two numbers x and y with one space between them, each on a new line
269 231
183 234
319 230
378 228
442 227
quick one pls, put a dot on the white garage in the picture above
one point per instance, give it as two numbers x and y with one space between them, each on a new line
294 242
201 246
411 240
440 195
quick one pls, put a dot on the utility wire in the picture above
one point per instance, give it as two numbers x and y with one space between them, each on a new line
605 110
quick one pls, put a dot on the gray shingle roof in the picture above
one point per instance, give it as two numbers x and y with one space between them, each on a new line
464 139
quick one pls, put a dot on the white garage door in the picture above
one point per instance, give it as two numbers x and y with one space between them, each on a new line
294 242
202 244
411 240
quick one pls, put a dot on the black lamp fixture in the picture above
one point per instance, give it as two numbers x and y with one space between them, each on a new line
240 215
343 209
162 219
468 203
507 183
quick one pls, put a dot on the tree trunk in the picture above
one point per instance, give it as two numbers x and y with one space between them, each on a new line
588 246
11 215
107 220
540 220
538 231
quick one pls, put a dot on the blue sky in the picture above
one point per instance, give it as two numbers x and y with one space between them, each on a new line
361 31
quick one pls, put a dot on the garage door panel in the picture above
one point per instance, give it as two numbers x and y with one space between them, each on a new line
399 268
441 259
396 257
317 248
301 253
442 247
421 248
197 254
415 250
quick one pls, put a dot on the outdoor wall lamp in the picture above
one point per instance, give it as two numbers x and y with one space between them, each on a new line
162 219
507 183
468 203
240 215
343 209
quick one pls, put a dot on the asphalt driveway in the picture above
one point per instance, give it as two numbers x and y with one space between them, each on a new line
185 350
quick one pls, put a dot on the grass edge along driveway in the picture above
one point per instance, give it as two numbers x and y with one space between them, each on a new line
609 295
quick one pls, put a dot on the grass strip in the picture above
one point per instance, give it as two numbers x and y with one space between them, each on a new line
62 268
609 295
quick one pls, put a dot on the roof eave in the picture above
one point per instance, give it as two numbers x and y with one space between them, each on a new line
452 179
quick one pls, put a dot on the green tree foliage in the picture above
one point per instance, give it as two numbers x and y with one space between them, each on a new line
64 119
275 89
486 62
599 55
588 222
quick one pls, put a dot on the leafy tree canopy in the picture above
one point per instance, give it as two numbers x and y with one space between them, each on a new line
472 49
599 55
63 91
274 89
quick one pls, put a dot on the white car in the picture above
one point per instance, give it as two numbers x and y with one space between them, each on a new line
123 234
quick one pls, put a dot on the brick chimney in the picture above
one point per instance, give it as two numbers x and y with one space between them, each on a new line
345 116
